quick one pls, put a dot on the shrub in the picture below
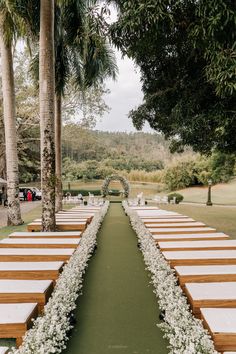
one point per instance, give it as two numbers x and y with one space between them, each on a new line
180 175
84 192
114 192
178 197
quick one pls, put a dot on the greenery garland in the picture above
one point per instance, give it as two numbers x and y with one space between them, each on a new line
122 180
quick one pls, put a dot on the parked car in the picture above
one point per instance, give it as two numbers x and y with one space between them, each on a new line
34 190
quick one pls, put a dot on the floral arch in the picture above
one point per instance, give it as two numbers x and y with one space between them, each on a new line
122 180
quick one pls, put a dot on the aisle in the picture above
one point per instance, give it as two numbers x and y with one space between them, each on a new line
117 312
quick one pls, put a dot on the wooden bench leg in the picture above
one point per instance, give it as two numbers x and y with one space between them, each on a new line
19 341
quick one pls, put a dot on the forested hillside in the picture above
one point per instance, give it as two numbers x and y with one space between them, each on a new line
80 145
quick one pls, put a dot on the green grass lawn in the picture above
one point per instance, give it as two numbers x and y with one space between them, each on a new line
220 217
28 217
224 193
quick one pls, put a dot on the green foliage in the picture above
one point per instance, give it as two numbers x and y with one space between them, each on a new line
186 53
140 151
180 175
185 173
178 197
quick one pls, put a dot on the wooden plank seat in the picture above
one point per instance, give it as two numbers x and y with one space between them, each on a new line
205 273
210 257
229 353
35 254
218 294
40 243
85 208
16 319
74 217
190 237
145 208
160 217
21 291
176 224
4 350
66 220
181 230
60 226
221 324
31 270
46 234
156 213
148 221
197 245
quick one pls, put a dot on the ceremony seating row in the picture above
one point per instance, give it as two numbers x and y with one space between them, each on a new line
204 261
30 264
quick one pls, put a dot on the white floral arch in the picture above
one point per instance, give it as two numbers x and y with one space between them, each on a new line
122 180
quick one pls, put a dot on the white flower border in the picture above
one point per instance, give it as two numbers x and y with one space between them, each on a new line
184 332
50 332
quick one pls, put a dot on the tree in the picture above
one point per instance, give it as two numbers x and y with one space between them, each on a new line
46 101
186 53
83 57
7 29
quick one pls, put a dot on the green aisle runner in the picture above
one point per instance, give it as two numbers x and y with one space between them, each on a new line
118 311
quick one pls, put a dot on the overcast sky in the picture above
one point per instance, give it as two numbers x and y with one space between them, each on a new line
125 94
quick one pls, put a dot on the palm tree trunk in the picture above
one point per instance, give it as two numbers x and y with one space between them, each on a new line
9 112
58 126
46 100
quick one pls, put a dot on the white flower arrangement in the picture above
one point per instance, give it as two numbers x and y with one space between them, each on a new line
49 333
184 332
122 180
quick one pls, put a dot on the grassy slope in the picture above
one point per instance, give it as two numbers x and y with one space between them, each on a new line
224 193
222 218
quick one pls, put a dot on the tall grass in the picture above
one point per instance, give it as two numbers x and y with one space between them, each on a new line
143 176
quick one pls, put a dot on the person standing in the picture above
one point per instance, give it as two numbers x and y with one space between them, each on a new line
25 194
29 196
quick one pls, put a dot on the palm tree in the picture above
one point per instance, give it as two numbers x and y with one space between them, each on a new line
82 55
7 29
47 109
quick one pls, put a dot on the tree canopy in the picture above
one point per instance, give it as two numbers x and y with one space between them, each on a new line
186 53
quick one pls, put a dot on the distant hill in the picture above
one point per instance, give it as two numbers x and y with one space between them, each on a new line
81 145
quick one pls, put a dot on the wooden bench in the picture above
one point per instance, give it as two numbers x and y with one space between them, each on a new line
4 350
165 217
60 225
147 221
73 217
16 319
181 230
190 237
35 254
40 243
21 291
200 257
197 245
208 273
48 234
31 270
221 324
219 294
182 224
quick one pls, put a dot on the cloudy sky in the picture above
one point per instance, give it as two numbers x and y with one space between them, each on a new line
125 94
